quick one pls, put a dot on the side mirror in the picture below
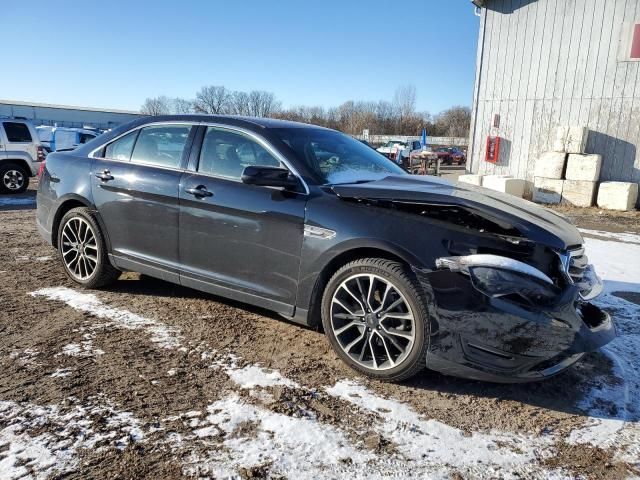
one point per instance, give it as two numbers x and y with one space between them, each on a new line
269 177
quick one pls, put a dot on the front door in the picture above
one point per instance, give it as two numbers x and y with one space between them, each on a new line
135 185
240 241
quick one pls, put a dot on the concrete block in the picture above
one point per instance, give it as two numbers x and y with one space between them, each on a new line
583 167
579 193
550 165
505 184
618 195
472 179
560 139
547 190
577 140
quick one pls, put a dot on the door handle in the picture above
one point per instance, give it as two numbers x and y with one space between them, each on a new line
105 176
199 191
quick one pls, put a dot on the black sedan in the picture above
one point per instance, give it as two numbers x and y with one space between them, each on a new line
401 272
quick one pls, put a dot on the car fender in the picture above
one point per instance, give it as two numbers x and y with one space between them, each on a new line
18 156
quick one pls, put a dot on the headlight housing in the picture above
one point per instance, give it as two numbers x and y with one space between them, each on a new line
497 276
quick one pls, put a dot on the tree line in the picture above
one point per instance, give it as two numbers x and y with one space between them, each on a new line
397 116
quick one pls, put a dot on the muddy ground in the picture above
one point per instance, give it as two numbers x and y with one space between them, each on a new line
162 386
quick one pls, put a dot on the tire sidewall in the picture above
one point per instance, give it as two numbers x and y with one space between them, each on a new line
418 307
87 217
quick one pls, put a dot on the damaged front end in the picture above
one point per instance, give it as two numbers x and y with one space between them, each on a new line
515 323
510 285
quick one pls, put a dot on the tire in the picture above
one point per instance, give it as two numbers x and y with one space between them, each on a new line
13 178
344 322
79 226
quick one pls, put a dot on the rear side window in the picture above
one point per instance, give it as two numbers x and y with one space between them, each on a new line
121 148
17 132
161 145
86 137
226 154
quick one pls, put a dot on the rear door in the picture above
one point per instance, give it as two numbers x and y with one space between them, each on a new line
135 184
237 240
19 139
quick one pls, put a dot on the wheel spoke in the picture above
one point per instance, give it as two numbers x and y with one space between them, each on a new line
349 347
373 353
393 341
335 300
398 333
386 349
346 327
346 289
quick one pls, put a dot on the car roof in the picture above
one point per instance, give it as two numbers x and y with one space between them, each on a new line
250 123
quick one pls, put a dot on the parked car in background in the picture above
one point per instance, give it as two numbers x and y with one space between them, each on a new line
21 154
64 138
401 271
400 151
451 155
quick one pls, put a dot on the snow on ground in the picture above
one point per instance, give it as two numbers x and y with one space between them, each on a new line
304 447
626 237
44 455
612 403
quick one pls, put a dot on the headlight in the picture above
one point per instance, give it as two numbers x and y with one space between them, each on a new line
497 276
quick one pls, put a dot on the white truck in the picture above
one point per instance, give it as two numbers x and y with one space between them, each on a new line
21 154
405 149
62 138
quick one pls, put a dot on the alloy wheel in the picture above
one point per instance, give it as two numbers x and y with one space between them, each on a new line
79 248
372 321
13 179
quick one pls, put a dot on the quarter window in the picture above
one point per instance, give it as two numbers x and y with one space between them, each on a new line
161 145
17 132
121 148
226 154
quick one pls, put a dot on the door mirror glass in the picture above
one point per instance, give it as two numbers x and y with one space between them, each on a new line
269 177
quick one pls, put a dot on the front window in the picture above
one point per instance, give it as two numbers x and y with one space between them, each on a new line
337 158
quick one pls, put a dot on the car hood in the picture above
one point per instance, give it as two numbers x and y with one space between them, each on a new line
536 223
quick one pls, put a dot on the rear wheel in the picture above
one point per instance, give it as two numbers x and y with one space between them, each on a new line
13 178
83 250
376 318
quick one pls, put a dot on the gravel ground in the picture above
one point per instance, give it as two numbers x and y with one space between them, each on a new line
149 379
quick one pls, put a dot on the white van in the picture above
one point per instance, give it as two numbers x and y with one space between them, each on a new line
63 138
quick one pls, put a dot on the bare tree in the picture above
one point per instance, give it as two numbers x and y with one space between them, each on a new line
156 106
212 99
262 104
454 122
182 106
404 101
239 103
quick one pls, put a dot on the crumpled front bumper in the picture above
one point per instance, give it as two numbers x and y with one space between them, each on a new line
477 336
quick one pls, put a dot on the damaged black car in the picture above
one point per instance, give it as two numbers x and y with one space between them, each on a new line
401 272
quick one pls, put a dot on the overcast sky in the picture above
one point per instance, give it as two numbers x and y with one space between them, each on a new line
116 53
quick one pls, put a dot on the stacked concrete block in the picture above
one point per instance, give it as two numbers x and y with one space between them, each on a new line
583 167
560 139
505 184
547 190
577 140
471 179
550 165
579 193
618 195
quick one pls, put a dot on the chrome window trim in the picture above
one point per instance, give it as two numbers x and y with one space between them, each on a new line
257 138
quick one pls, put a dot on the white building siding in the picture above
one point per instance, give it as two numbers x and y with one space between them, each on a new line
546 63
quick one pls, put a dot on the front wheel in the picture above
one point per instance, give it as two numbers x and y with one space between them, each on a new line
83 250
376 318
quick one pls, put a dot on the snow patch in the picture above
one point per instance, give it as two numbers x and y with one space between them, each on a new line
253 376
45 455
624 237
161 334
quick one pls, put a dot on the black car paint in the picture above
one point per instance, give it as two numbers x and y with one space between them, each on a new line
247 243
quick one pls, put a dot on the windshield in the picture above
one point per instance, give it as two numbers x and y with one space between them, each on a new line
335 157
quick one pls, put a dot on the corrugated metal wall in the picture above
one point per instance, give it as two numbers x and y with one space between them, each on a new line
545 63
